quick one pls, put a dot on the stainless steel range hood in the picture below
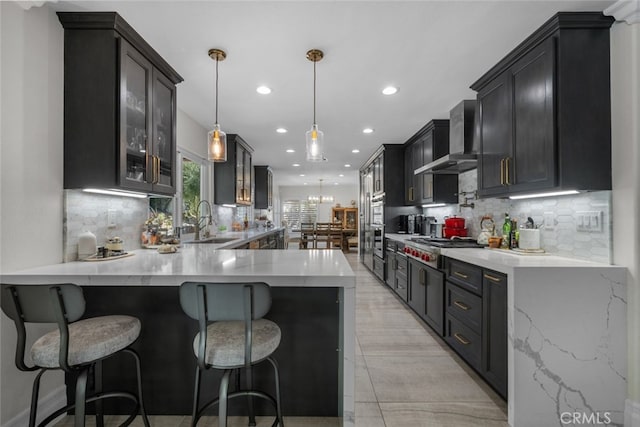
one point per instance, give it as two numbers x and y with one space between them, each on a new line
462 152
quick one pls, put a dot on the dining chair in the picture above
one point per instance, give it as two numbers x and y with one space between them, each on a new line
307 235
322 235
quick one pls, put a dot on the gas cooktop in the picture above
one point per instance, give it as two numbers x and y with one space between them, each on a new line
440 242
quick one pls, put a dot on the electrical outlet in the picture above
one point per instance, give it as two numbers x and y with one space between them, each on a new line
589 221
549 221
111 218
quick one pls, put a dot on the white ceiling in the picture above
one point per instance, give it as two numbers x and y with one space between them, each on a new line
431 50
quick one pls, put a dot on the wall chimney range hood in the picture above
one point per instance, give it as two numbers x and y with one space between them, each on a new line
462 152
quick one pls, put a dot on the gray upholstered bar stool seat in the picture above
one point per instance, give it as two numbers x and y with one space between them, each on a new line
232 336
76 346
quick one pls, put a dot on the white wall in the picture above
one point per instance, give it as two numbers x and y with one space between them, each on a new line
190 135
342 194
625 97
31 45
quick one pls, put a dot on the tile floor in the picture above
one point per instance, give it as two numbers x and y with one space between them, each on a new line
405 375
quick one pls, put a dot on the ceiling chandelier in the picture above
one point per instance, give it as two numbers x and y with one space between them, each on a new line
320 198
315 137
217 151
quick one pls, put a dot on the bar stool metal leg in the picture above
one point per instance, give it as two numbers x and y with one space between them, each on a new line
252 417
34 398
196 397
81 392
277 380
97 378
222 403
143 411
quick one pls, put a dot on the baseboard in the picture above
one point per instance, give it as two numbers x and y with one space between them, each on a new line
46 405
631 413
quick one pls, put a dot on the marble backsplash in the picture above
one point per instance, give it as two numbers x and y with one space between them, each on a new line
88 212
560 238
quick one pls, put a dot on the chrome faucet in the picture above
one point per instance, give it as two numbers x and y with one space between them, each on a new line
208 217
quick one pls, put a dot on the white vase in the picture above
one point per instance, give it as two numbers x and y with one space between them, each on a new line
86 245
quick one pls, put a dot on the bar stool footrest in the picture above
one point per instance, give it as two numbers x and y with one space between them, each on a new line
254 393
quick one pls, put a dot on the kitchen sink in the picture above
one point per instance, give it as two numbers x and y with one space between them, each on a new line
215 240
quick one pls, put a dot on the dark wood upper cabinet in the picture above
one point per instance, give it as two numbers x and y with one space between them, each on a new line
232 179
428 144
119 107
544 119
263 187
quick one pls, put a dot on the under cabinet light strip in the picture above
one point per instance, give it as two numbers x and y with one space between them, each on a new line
551 194
115 193
434 205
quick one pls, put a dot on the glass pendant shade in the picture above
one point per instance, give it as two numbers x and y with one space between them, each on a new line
315 144
217 145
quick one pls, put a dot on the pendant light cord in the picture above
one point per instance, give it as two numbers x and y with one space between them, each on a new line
314 92
217 89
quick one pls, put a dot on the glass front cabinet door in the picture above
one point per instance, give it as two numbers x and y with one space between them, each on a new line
147 125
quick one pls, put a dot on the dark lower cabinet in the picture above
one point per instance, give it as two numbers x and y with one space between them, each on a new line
390 275
378 267
476 319
434 293
494 330
417 294
402 283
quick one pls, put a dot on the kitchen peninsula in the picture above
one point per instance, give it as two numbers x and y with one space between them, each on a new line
313 303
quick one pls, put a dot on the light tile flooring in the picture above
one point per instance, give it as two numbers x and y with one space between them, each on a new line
405 375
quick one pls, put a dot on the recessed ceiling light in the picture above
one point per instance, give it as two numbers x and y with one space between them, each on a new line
291 150
301 174
305 183
263 90
367 130
347 165
335 183
281 130
341 175
295 165
389 90
355 150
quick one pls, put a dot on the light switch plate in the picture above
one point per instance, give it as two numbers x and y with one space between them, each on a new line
549 221
589 221
111 218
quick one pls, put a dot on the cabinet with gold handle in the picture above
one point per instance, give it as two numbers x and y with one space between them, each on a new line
461 305
459 274
507 170
461 339
411 194
492 278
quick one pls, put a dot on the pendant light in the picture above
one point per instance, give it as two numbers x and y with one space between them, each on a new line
315 137
217 138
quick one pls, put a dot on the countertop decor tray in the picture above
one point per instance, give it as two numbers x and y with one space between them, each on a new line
96 258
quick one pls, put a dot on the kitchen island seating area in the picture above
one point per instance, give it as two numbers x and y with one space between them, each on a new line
77 347
233 335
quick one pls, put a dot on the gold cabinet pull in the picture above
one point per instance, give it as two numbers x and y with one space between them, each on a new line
157 169
502 171
492 278
507 168
411 194
461 338
457 273
461 305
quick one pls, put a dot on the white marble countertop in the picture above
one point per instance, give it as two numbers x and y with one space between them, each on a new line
308 268
240 237
506 261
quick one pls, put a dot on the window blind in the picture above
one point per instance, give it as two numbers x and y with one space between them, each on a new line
296 211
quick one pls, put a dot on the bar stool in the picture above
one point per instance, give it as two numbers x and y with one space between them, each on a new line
76 347
232 335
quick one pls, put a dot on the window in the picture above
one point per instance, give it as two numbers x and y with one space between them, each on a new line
191 194
296 211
